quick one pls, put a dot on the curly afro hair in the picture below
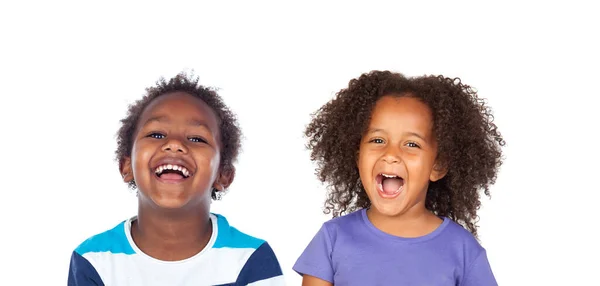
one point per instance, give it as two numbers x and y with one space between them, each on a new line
469 144
228 125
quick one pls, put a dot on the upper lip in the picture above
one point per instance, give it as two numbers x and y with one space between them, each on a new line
174 161
391 173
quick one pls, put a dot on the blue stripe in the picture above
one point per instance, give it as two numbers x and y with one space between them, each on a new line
261 265
228 236
113 240
82 273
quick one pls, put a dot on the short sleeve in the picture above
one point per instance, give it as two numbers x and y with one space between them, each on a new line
316 258
81 272
262 268
479 272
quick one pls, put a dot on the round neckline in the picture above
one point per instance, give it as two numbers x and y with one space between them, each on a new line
209 245
378 232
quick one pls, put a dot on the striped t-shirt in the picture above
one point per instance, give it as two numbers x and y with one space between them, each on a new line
230 258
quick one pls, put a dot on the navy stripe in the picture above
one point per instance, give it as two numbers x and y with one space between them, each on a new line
82 273
261 265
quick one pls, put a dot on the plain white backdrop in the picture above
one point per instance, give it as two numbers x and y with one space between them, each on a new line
68 70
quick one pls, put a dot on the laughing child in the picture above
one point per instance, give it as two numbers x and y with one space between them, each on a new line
177 147
404 159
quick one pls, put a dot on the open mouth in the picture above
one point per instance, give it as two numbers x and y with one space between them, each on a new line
389 185
172 172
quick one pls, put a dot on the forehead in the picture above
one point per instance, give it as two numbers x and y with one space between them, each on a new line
178 106
401 112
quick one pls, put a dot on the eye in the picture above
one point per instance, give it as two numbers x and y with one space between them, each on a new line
156 135
413 145
197 140
377 141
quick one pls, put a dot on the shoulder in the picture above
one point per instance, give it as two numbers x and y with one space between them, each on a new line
462 240
261 265
113 240
230 237
350 224
476 268
92 257
347 221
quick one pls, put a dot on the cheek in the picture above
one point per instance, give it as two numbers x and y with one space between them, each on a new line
208 161
365 163
421 165
140 156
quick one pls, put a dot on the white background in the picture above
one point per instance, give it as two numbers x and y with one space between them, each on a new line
69 70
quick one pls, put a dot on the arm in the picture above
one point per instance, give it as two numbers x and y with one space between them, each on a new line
314 264
82 273
308 280
261 269
479 273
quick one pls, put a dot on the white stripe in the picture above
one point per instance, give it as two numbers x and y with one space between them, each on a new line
216 266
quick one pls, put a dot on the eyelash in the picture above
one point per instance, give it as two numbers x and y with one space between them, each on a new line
200 140
162 136
409 144
157 134
413 143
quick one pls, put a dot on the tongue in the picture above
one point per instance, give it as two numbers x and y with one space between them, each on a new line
171 176
390 186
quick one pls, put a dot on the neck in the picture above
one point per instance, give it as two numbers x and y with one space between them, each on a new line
171 235
416 222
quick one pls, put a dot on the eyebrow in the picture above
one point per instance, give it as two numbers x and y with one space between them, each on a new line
373 130
166 119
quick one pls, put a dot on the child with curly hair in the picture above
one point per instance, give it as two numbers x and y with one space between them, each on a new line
404 159
177 147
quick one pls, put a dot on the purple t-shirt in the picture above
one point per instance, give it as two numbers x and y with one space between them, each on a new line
350 250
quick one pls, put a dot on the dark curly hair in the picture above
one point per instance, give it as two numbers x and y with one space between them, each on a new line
230 134
469 144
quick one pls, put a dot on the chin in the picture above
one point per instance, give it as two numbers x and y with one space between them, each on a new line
169 203
166 199
390 208
387 210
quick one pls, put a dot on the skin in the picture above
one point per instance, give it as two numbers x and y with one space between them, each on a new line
399 141
174 216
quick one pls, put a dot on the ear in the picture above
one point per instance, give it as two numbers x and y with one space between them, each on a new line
225 178
438 172
126 170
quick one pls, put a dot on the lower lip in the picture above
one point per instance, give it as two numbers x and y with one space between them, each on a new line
170 181
386 195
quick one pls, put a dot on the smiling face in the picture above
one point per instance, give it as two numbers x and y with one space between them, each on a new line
397 156
176 153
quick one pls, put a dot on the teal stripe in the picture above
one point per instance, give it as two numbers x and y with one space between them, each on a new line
228 236
114 241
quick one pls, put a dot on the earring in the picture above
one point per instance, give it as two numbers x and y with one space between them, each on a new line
219 194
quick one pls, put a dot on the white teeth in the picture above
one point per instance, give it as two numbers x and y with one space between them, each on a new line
160 169
389 176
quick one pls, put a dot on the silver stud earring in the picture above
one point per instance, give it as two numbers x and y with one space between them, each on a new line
219 193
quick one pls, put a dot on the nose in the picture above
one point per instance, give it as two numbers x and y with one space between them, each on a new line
392 155
176 146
